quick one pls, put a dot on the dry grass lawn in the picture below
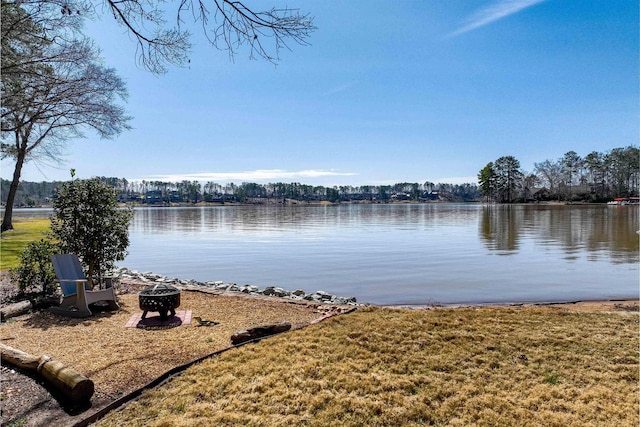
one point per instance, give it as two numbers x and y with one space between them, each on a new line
527 366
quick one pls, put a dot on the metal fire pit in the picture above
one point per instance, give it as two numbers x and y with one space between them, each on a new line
160 298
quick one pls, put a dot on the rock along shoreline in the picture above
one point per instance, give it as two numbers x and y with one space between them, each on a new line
271 291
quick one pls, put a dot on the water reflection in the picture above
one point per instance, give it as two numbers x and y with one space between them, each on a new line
602 231
500 228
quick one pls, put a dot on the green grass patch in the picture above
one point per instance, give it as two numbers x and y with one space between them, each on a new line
19 422
551 378
14 241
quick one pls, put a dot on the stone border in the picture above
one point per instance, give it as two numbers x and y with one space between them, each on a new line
272 291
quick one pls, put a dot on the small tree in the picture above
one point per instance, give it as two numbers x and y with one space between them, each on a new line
87 221
550 174
571 162
508 177
487 180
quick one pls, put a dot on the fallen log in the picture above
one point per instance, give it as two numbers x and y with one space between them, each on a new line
259 332
19 358
74 386
14 310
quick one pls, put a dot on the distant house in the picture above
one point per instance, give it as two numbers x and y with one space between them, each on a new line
134 197
541 194
175 197
431 195
153 197
400 196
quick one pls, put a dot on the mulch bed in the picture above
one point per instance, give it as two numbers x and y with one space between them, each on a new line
120 360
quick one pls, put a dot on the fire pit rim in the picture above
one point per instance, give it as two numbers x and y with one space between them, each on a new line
161 298
159 289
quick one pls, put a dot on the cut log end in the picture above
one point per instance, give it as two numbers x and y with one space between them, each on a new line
75 386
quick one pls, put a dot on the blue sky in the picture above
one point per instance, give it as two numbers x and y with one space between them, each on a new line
388 91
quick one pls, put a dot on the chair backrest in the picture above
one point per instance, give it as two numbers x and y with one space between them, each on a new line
68 269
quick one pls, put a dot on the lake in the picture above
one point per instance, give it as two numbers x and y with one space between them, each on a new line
401 254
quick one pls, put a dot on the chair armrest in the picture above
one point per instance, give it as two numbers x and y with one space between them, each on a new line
70 286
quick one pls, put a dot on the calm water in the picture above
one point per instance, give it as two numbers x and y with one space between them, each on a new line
400 254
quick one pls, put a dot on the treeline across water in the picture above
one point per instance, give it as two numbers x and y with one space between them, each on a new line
158 192
597 177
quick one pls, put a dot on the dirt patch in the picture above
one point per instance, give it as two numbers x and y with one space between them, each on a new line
120 360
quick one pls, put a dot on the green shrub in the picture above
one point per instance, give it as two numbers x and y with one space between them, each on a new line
35 274
88 222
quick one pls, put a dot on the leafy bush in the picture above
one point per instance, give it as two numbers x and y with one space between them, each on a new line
87 221
35 273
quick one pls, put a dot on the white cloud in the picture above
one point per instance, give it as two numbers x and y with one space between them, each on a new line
457 180
338 89
261 175
494 12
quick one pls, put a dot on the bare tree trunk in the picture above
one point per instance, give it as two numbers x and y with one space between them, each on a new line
7 223
90 273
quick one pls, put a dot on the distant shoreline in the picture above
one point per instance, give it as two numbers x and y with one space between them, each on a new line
293 202
575 304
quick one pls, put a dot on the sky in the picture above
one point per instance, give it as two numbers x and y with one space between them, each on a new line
386 92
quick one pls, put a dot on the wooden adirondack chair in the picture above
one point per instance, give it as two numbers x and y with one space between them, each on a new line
75 289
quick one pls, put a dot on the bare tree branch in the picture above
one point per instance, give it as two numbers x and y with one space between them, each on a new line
228 25
53 89
238 25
